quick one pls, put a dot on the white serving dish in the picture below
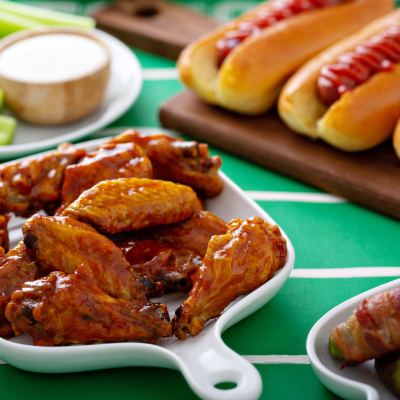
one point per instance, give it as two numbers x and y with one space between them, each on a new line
204 360
123 89
358 383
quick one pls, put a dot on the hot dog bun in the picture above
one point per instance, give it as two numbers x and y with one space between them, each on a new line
362 117
254 72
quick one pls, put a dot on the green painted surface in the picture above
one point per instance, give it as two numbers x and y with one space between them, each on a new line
282 325
145 110
253 177
294 382
337 235
148 60
279 381
122 384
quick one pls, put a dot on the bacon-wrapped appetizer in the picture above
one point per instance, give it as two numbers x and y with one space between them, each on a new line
388 369
372 331
349 95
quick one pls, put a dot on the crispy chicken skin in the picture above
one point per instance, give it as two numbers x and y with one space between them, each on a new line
193 233
175 160
26 186
235 263
71 308
110 161
130 203
62 243
161 262
16 267
372 331
4 239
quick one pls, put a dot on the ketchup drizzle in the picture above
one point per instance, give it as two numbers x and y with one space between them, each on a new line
377 54
265 18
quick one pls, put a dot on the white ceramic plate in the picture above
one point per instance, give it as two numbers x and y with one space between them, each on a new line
204 360
123 89
357 383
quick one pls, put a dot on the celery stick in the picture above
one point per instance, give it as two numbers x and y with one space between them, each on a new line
1 99
10 23
8 125
48 17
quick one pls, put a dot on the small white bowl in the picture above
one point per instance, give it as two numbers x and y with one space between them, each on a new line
353 383
60 96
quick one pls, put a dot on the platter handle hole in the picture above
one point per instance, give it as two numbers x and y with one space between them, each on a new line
146 11
225 385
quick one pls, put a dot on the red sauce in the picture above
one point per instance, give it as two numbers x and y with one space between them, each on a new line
265 18
377 54
363 316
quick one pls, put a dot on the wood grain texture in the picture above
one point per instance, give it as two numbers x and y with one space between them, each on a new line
370 178
158 26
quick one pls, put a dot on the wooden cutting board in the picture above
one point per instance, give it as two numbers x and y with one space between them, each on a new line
370 178
158 26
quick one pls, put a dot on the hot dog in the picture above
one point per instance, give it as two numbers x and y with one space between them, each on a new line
243 65
349 95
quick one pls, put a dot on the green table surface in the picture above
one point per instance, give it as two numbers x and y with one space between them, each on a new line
325 235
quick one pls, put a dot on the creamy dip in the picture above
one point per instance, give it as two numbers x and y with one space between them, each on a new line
51 58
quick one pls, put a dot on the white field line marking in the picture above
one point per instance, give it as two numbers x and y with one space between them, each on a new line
278 359
160 74
360 272
295 196
267 360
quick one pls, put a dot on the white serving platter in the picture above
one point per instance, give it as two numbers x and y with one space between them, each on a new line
357 383
123 89
204 360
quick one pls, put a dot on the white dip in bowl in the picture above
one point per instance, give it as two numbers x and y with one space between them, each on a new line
53 76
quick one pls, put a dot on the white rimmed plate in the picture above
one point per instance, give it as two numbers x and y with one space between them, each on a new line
357 383
204 360
123 89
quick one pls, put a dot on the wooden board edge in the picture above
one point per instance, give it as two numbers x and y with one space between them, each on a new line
329 183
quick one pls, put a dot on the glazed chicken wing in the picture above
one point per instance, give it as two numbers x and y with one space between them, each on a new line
175 160
193 233
111 161
132 203
63 244
61 309
4 240
235 263
16 267
26 186
161 262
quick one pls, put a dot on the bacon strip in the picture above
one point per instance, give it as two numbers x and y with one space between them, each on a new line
372 331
